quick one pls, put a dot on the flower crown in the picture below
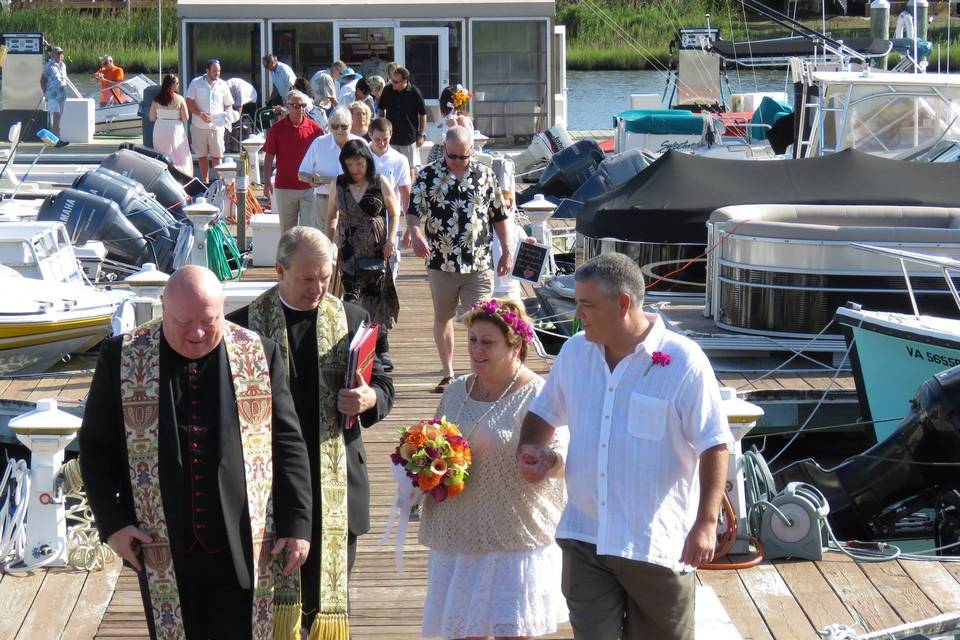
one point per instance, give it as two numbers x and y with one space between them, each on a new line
461 96
491 308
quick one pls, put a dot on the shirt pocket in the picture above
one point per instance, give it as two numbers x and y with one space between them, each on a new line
647 418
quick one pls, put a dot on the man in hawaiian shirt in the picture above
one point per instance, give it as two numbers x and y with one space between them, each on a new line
459 200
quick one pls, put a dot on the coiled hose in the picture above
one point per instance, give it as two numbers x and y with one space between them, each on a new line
84 549
221 250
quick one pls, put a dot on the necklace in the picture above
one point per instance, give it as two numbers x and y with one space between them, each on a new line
492 406
357 190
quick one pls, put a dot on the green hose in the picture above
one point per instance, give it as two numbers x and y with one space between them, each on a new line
220 243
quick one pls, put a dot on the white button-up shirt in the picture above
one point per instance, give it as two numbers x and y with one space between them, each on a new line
636 435
323 158
211 98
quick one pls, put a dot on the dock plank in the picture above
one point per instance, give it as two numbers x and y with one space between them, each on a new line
859 595
814 595
936 582
53 605
736 600
783 615
899 589
17 593
92 602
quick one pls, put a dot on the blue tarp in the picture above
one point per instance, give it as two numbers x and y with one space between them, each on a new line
661 121
768 112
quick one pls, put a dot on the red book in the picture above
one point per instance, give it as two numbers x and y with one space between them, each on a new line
363 350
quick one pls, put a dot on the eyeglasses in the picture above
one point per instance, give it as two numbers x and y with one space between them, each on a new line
297 105
339 127
457 156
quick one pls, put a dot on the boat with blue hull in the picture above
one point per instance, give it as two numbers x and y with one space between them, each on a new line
892 353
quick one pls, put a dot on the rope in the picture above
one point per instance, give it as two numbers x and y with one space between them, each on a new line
14 496
221 250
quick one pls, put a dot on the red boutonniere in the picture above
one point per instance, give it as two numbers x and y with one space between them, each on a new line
657 358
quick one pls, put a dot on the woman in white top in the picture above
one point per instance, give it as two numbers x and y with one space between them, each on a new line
168 112
494 568
321 163
450 116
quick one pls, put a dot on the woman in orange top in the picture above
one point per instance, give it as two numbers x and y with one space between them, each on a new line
109 74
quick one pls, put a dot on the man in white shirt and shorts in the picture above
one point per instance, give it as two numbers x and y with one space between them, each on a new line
396 168
207 96
647 461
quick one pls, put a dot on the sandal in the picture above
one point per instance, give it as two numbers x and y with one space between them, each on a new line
442 385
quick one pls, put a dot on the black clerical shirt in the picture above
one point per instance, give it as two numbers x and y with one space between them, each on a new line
192 385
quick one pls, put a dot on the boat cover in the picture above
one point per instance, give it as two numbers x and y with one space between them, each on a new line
671 200
768 112
789 47
661 121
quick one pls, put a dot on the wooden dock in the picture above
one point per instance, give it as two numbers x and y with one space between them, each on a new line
774 601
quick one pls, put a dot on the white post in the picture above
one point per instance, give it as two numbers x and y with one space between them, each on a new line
159 41
742 416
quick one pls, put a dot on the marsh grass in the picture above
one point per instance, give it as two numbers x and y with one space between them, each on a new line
85 36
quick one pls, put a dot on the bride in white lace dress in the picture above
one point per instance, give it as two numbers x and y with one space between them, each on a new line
494 567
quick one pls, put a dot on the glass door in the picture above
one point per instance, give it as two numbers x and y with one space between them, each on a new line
425 53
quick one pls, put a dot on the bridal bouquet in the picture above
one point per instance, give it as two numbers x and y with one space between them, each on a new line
435 457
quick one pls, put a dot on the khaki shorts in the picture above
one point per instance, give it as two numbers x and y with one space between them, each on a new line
207 142
612 598
449 289
296 207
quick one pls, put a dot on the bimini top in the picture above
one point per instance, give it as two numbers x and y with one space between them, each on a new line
790 47
671 200
368 9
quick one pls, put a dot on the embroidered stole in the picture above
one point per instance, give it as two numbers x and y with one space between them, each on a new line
331 622
140 397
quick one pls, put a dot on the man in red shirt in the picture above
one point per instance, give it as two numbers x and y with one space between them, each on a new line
287 141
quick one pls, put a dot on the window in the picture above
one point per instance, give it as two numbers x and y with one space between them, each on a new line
306 46
236 45
510 72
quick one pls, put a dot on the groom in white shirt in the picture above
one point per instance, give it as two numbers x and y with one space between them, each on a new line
646 466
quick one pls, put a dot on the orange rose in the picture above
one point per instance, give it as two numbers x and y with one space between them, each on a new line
468 456
416 439
453 490
428 481
450 429
432 433
457 459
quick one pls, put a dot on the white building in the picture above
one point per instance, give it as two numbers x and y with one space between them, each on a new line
509 53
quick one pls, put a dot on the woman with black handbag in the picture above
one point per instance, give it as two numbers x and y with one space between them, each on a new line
362 217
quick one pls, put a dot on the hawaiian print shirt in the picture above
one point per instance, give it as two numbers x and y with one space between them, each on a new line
459 215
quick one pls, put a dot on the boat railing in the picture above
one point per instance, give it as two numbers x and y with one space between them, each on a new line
944 264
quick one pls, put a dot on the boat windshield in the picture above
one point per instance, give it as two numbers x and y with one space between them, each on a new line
893 121
129 90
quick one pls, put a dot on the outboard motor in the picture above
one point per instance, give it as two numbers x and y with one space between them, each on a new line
158 226
566 172
611 173
90 217
154 177
150 152
871 491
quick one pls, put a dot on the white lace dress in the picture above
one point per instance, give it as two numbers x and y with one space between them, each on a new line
494 568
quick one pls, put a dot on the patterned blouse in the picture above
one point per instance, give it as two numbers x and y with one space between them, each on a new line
459 215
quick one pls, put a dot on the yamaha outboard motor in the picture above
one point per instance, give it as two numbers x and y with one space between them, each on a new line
567 170
90 217
871 491
611 173
154 177
150 152
160 229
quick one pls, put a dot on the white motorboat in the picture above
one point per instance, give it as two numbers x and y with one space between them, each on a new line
122 112
44 322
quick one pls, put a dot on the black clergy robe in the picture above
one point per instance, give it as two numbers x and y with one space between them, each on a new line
301 333
201 460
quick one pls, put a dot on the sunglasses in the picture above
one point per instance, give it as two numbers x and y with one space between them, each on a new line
457 156
297 105
339 127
